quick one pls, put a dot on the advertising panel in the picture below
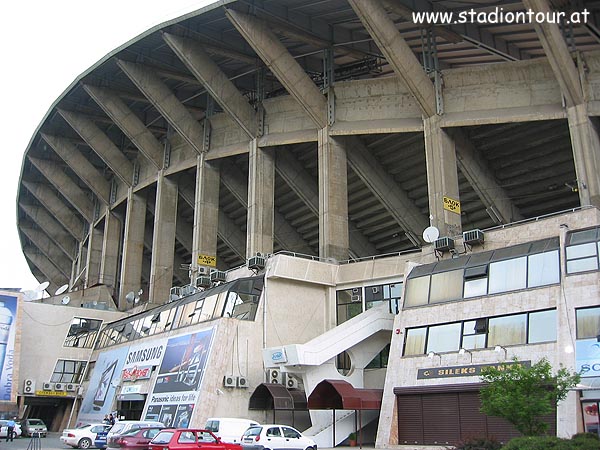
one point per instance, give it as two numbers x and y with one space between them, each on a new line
140 359
587 354
179 379
8 317
103 385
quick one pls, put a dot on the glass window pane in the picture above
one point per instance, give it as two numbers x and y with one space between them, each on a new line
446 286
581 251
588 322
417 291
582 265
415 341
508 275
475 288
582 236
474 341
508 330
543 269
444 338
542 326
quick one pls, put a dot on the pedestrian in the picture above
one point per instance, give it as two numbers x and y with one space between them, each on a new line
10 432
111 419
106 420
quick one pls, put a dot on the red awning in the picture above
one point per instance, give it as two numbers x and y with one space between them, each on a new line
339 394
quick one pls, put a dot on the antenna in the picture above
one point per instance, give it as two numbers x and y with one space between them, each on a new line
30 295
42 286
130 297
430 234
62 289
65 300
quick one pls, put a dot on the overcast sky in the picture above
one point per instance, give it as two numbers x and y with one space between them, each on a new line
45 46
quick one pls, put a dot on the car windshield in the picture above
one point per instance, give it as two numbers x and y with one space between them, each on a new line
163 437
212 425
35 422
81 427
116 428
252 431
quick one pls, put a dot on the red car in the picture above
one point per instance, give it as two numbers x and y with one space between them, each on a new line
136 439
189 439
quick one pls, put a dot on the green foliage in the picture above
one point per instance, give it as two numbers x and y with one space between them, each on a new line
478 443
352 436
583 441
522 395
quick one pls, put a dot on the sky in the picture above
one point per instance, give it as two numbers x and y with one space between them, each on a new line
45 46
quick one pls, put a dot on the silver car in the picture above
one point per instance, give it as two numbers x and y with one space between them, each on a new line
34 426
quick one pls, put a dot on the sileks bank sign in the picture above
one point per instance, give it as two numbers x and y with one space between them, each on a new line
463 371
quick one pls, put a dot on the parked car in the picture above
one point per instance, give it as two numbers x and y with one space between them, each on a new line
189 439
84 436
123 426
229 429
138 439
100 441
276 437
4 429
31 426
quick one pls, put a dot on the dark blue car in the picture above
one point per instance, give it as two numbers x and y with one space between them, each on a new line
100 441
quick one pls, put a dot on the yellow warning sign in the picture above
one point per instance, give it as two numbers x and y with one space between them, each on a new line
207 260
51 393
451 205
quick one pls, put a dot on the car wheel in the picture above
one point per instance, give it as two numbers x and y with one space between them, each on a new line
85 443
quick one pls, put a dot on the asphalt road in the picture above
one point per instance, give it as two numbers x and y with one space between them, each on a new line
51 442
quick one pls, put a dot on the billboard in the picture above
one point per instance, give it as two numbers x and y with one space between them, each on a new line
98 400
8 328
179 379
587 357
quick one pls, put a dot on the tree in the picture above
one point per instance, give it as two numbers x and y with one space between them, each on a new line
522 395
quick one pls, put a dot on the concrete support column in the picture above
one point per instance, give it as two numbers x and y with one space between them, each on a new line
442 177
163 240
333 198
94 257
111 245
133 246
261 200
586 153
206 209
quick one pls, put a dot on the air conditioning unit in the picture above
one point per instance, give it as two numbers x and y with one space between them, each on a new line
29 386
72 387
443 245
257 262
473 237
203 270
229 381
203 282
60 386
217 275
188 289
355 298
291 382
48 386
274 376
242 382
375 289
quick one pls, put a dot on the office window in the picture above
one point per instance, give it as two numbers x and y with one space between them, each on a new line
474 334
507 330
82 332
542 326
349 304
444 338
582 257
415 341
588 322
543 269
68 371
446 286
508 275
417 291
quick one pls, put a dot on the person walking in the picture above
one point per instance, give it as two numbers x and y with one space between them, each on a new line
10 432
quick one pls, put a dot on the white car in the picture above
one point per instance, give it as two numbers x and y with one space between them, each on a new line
84 436
4 429
271 437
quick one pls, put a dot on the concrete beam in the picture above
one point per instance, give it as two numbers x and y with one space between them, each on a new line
57 208
261 200
81 166
66 186
55 231
302 183
476 171
93 256
178 262
163 240
111 250
133 246
384 187
285 234
214 81
128 122
169 106
397 52
48 248
283 65
100 143
46 267
557 53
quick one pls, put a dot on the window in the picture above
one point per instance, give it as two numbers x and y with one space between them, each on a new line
474 334
415 341
446 286
444 338
582 251
508 330
543 269
68 371
508 275
417 293
384 293
349 304
381 360
542 327
82 332
588 322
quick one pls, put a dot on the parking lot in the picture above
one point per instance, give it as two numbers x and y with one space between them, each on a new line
51 442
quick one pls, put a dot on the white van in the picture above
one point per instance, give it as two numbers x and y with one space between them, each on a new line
122 426
229 429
